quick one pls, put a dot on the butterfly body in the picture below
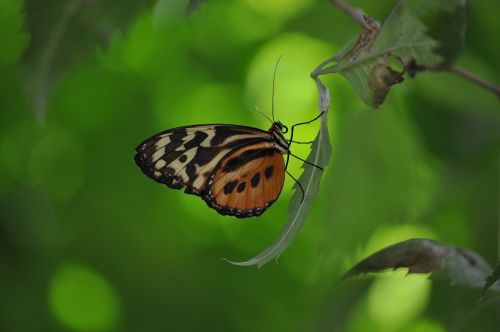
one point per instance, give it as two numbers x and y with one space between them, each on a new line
236 170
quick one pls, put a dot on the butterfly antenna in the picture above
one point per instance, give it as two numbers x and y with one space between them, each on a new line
274 80
264 114
300 186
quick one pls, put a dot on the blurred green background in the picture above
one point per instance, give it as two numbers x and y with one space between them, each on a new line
88 243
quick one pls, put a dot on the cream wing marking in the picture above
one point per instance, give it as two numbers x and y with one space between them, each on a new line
160 164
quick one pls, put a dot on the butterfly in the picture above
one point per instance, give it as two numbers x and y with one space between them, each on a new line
237 170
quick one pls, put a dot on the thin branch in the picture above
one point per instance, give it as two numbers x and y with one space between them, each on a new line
470 76
362 19
356 14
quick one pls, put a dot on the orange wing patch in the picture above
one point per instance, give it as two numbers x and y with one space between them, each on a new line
247 182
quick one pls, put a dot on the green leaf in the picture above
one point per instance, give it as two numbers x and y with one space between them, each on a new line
461 266
63 31
13 41
492 280
445 21
310 180
420 34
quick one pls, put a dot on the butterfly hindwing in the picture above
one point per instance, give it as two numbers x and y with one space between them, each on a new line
185 157
247 181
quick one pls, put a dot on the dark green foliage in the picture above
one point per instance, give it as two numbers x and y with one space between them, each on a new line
445 21
65 31
420 34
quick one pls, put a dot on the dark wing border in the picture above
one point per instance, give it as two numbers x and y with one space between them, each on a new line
173 182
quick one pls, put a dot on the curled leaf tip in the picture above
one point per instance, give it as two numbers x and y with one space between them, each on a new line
459 265
382 78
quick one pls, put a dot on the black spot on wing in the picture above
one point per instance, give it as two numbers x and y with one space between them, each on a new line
183 158
268 172
228 188
255 180
245 157
199 136
241 187
168 171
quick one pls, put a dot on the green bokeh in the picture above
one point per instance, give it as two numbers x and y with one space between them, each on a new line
82 299
425 164
58 164
12 39
411 293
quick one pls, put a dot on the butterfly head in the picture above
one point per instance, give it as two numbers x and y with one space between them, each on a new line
278 130
281 127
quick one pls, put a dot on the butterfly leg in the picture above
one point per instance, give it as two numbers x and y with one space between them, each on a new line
305 161
303 123
298 183
292 141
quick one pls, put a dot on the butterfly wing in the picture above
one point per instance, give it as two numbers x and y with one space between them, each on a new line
185 157
247 181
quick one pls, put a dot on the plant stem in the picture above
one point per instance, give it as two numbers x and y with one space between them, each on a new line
470 76
357 14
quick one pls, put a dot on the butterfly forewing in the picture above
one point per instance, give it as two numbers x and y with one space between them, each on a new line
186 157
247 181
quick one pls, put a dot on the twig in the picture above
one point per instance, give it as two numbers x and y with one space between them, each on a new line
470 76
357 14
361 18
